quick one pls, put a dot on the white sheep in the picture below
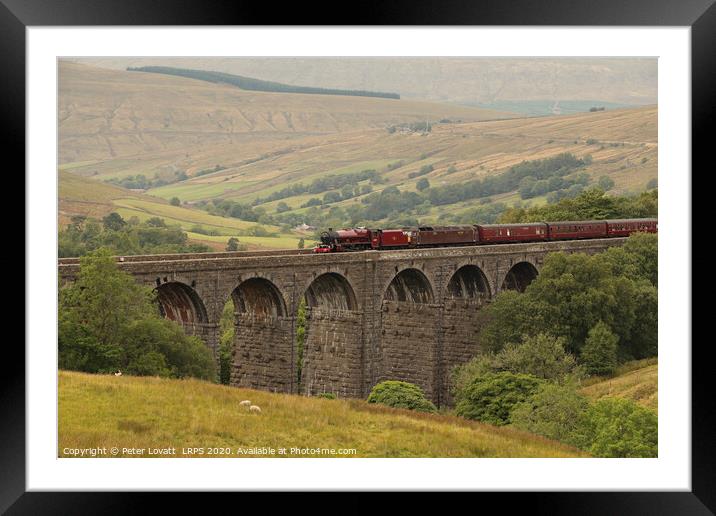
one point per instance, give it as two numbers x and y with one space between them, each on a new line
118 373
245 403
255 408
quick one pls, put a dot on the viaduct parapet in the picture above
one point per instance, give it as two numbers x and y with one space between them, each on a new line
371 316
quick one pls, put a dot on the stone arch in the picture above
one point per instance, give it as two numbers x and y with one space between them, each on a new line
329 353
519 276
468 282
181 303
331 291
410 285
261 355
258 296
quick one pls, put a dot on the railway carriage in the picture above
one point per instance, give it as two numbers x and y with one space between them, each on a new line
625 227
505 233
576 230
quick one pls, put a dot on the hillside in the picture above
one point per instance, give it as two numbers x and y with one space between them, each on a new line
640 384
112 114
83 196
621 143
104 410
444 79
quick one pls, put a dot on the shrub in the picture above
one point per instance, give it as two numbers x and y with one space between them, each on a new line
490 398
616 427
541 355
326 395
184 355
401 395
554 411
599 354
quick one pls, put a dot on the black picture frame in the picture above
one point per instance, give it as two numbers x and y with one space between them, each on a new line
700 15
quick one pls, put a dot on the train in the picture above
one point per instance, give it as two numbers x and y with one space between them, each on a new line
364 239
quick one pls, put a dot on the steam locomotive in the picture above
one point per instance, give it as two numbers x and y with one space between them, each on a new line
361 238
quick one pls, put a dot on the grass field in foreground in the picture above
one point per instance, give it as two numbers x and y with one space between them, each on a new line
142 412
637 381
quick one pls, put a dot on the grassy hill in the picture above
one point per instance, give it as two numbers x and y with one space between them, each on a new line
637 381
444 79
104 410
622 145
83 196
111 114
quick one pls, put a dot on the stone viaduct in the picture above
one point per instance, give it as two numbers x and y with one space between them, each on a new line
371 316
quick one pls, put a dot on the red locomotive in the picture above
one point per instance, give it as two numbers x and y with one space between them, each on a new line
360 239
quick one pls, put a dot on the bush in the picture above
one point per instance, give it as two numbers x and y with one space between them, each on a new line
616 427
401 395
542 356
326 395
554 411
490 398
599 354
184 355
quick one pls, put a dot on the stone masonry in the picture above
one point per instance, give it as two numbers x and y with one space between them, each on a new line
375 315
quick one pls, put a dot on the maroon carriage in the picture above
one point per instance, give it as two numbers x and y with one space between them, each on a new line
625 227
575 230
392 238
504 233
435 236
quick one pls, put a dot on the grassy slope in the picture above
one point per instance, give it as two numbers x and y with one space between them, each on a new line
104 410
111 114
637 381
82 196
626 151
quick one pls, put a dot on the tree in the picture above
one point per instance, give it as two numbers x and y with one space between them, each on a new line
113 222
301 243
540 355
156 222
606 183
599 354
422 184
554 411
401 395
490 398
232 244
282 207
94 312
574 292
226 342
617 427
175 201
171 352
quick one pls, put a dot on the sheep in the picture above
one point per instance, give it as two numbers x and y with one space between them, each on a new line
255 408
245 403
118 373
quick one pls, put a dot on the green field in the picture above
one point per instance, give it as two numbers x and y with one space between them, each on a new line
144 412
80 195
279 242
